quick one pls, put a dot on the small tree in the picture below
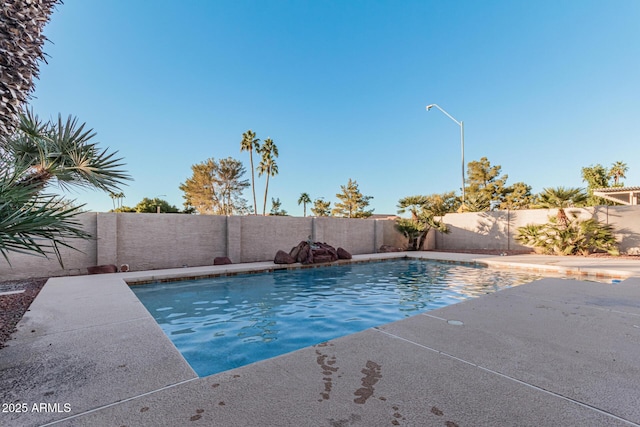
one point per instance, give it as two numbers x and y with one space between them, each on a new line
155 205
518 196
321 208
484 184
596 176
352 203
561 198
36 155
423 210
216 187
276 208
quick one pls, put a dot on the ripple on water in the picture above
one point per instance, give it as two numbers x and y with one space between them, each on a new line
226 322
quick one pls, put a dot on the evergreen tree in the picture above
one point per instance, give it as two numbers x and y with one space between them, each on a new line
596 176
485 187
216 187
276 208
321 208
352 203
147 205
517 196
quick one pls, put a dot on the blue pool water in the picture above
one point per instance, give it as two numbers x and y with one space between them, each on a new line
226 322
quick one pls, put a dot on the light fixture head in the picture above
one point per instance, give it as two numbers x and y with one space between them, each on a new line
430 106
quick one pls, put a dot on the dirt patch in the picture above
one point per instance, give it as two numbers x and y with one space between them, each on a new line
14 305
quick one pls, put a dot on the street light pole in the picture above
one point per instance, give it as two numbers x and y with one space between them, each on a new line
461 124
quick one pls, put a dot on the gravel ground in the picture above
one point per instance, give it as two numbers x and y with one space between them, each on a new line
13 306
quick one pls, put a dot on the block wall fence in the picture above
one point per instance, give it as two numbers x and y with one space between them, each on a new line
156 241
497 229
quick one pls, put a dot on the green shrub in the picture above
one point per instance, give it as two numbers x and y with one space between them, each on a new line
573 237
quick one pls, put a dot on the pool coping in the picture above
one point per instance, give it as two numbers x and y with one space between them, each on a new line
543 264
56 356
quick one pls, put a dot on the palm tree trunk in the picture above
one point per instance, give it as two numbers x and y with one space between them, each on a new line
266 189
253 184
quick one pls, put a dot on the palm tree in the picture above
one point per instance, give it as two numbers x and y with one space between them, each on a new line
561 198
617 171
63 152
249 143
113 196
120 196
21 39
267 165
304 199
33 156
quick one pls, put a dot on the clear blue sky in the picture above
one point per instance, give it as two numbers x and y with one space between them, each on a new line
543 87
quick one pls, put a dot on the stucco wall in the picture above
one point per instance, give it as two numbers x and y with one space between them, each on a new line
497 229
626 224
152 241
155 241
355 235
75 261
263 236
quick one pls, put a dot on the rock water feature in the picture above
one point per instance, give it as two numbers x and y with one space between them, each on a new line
308 252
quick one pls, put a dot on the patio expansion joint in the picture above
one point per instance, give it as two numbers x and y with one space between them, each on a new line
119 402
491 371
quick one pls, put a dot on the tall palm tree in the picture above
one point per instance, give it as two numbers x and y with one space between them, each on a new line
21 41
267 165
561 198
113 196
249 143
303 200
617 171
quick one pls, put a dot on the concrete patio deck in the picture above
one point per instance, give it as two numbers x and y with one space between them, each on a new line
552 352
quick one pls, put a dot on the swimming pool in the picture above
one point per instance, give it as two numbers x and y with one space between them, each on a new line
226 322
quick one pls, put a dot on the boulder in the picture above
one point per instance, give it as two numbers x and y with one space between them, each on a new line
221 260
323 248
322 258
296 250
312 252
283 258
343 254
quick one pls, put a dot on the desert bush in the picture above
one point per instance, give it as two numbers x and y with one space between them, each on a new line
571 237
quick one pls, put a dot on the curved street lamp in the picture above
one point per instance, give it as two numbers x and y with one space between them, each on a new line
461 124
